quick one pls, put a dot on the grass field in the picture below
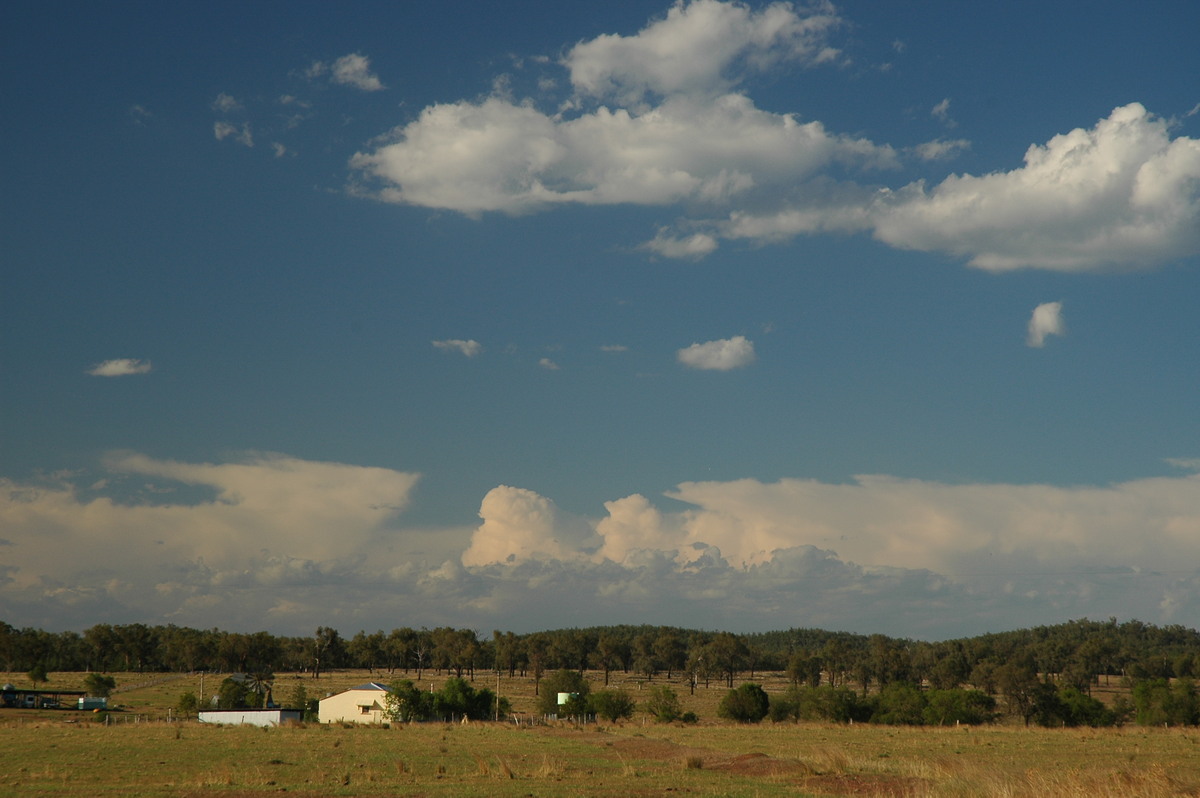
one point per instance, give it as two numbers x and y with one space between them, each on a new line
66 753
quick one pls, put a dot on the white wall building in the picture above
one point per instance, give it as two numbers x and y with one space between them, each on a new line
362 704
251 717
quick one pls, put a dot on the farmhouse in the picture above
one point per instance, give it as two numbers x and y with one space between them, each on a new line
362 704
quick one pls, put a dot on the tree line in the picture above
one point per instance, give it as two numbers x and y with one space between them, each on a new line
1023 667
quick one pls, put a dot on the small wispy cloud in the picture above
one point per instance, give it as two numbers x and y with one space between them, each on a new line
695 246
120 367
469 348
1046 320
242 135
941 112
225 103
352 70
721 355
548 364
941 149
139 114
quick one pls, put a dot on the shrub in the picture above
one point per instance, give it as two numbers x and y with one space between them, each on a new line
612 705
405 702
946 707
747 704
457 698
663 704
899 704
187 704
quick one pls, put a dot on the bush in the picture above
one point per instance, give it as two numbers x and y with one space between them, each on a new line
459 699
612 705
947 707
747 704
406 703
836 704
187 704
1159 703
663 704
899 705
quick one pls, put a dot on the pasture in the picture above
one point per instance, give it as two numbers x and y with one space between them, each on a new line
140 753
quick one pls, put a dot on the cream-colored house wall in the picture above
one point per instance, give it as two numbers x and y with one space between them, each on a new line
353 706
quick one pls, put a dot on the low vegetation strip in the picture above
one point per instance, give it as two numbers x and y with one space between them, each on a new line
52 758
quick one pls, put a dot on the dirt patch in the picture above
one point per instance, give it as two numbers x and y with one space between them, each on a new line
876 786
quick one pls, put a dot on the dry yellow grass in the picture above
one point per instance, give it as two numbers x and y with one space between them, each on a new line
67 753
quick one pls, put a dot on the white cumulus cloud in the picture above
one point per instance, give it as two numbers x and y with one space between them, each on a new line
700 140
1120 194
1046 320
355 70
120 367
701 47
720 355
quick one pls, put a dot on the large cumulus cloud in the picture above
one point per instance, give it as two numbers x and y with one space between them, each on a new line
665 117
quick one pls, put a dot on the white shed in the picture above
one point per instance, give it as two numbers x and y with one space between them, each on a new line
362 704
251 717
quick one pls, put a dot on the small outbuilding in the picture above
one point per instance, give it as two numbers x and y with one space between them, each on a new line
366 703
251 717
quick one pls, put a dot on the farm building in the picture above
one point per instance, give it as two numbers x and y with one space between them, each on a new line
28 698
251 717
363 704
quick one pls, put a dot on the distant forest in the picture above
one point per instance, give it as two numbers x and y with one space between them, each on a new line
1077 653
1045 674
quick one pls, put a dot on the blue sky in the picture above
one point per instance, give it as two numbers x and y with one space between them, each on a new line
876 317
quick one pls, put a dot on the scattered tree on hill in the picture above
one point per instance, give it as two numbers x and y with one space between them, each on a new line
564 681
187 704
99 685
37 674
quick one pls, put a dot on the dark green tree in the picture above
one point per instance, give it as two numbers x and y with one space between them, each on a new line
233 694
99 685
612 705
747 704
564 681
406 703
37 674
